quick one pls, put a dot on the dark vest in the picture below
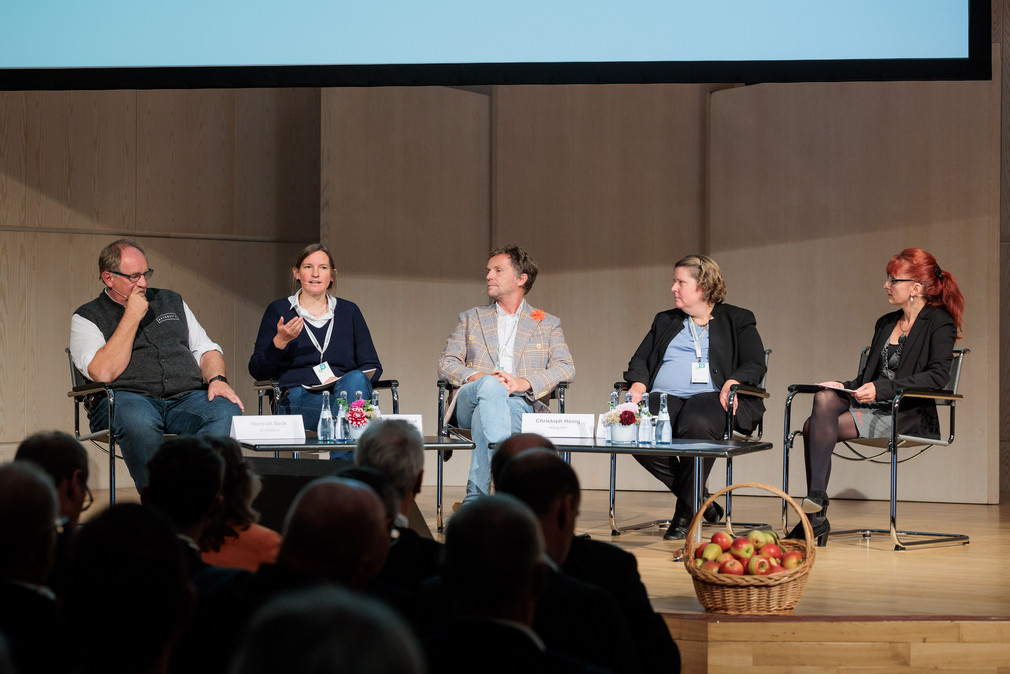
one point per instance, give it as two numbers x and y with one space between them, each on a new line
161 365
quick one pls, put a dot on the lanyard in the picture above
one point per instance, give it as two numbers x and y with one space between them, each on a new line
694 335
326 343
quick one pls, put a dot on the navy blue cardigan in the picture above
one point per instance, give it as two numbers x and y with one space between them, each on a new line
350 347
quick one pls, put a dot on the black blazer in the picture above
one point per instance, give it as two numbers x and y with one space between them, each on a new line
925 363
735 352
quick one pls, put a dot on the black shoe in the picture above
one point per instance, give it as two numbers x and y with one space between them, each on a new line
677 530
713 513
821 528
816 501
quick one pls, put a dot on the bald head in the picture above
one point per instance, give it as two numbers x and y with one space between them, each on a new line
28 507
336 531
513 446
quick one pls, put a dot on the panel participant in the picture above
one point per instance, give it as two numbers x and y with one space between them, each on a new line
505 358
168 376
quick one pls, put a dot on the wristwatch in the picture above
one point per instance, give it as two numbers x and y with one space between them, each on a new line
215 378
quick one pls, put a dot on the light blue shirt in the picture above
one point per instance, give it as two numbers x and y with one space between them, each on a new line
674 376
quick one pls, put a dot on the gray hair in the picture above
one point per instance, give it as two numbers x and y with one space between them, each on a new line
395 448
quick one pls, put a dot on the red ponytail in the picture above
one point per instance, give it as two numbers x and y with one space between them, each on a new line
939 289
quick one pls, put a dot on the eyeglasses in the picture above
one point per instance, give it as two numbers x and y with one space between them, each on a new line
891 280
133 278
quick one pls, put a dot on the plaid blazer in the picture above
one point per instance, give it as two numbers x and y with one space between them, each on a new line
541 355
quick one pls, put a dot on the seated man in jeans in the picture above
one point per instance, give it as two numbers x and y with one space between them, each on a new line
168 376
505 356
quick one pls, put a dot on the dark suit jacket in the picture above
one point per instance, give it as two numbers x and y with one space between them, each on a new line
475 645
35 633
616 571
925 362
735 352
412 560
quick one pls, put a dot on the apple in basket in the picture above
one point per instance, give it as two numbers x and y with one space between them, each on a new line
758 565
742 549
711 565
792 559
732 567
776 568
772 551
722 539
757 538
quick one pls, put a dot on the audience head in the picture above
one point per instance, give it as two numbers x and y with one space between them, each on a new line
327 630
522 263
336 531
28 510
549 486
185 478
937 286
64 458
381 485
706 272
514 445
239 489
127 571
492 563
395 448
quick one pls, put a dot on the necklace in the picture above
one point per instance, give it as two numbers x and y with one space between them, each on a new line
703 326
904 330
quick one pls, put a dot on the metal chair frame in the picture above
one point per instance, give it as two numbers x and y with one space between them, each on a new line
730 434
80 390
947 397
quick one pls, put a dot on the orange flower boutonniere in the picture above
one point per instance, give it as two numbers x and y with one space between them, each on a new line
537 315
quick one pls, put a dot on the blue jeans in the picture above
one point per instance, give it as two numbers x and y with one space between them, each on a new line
141 422
492 415
309 404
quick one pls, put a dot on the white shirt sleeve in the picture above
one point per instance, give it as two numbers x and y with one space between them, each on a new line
86 339
199 342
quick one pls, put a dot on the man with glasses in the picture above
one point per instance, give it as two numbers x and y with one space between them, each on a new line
168 376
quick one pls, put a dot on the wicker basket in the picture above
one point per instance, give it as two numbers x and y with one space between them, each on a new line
775 593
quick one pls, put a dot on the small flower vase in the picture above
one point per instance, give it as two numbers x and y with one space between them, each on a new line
623 435
356 432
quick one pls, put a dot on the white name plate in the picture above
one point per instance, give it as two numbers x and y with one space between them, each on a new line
267 427
414 419
559 425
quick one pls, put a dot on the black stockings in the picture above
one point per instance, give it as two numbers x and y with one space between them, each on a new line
829 424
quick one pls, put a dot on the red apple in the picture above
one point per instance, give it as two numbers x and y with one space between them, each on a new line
776 568
792 559
758 565
772 551
700 549
723 539
733 568
711 565
742 549
725 557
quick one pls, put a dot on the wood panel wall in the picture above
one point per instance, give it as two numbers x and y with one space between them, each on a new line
1001 41
220 187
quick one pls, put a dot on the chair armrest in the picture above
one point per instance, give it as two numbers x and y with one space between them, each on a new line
746 389
804 388
264 385
88 389
386 383
931 393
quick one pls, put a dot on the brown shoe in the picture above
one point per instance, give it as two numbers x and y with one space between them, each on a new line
457 505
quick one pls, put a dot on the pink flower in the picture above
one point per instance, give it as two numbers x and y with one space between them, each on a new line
357 404
627 418
537 315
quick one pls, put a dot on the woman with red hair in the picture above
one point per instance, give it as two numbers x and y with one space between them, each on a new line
912 347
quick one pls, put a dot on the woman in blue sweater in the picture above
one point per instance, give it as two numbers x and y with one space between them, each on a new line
313 338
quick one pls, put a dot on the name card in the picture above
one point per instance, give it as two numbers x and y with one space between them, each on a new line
414 419
559 425
268 427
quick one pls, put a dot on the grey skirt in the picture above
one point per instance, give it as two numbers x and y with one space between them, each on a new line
872 421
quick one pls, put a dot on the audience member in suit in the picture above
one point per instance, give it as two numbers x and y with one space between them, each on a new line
493 573
28 507
396 448
335 533
572 616
185 476
327 630
128 596
66 461
234 539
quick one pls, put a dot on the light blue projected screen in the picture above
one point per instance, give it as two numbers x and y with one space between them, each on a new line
183 33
